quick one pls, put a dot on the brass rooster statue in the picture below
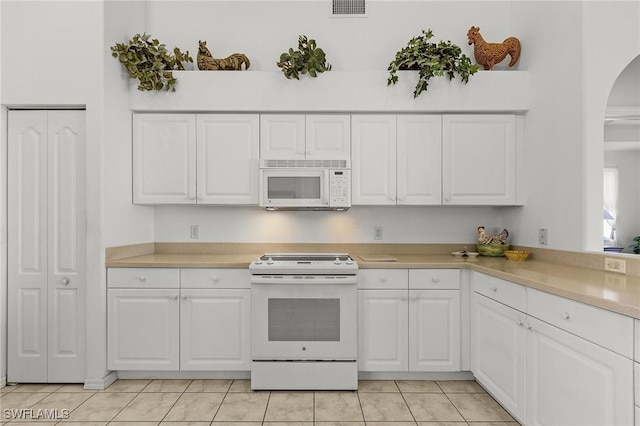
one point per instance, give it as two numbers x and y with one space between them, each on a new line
497 239
206 61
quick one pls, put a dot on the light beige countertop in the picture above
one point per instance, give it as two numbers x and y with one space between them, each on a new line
608 290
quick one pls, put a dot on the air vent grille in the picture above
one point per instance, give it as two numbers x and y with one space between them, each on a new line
348 8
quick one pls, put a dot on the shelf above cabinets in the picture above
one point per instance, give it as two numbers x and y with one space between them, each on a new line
345 91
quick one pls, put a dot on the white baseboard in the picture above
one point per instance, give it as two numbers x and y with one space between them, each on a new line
100 384
405 375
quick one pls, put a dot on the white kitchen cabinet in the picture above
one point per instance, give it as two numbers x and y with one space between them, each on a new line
373 174
479 159
228 149
195 159
311 137
419 159
215 329
409 320
397 159
46 339
434 330
164 158
383 330
571 381
498 352
143 329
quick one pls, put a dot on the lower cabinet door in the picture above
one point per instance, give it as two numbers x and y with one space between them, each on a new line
434 330
143 327
215 329
571 381
383 330
498 345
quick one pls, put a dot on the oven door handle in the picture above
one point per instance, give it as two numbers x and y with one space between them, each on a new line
302 280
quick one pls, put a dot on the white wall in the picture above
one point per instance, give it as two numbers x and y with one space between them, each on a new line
628 219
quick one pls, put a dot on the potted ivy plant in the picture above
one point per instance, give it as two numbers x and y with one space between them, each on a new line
308 59
150 62
636 245
430 60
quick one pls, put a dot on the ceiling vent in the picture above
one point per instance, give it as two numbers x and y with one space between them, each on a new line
354 8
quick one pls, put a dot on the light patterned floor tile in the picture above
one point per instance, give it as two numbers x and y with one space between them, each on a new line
392 423
17 400
493 424
241 407
101 407
432 407
377 386
75 387
8 389
384 407
133 423
195 407
127 385
240 386
216 423
190 424
167 386
422 386
209 386
339 424
337 406
479 407
460 386
443 424
290 407
37 387
148 407
59 401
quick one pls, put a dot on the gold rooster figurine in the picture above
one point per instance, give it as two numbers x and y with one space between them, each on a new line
497 239
206 61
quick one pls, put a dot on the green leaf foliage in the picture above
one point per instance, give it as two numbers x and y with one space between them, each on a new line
150 62
308 59
431 60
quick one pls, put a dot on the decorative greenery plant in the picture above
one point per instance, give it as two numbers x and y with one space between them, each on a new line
431 59
308 59
636 245
150 62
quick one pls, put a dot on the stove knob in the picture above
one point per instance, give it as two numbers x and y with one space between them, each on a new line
270 261
349 261
337 261
258 262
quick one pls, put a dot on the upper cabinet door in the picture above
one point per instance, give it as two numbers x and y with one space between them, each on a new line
479 159
282 136
164 159
374 159
227 159
419 159
328 137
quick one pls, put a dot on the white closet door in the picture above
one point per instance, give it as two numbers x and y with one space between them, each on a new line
46 247
27 247
66 247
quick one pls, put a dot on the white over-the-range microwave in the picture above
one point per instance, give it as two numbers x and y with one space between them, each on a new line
305 184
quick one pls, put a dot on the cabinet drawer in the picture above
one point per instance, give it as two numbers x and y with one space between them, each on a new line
605 328
434 279
143 277
215 278
390 279
506 292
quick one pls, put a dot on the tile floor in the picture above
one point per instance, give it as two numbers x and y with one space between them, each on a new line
232 403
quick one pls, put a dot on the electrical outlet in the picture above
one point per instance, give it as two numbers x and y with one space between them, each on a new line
377 232
543 236
615 265
195 232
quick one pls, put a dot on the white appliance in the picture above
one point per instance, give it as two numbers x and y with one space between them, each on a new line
304 321
305 184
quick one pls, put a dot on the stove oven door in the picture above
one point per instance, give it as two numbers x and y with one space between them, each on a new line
292 320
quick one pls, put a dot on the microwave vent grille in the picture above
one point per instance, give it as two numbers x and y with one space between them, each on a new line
332 164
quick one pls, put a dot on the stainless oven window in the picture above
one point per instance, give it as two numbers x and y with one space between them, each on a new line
294 187
304 320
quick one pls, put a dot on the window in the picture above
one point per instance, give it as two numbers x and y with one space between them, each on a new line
610 201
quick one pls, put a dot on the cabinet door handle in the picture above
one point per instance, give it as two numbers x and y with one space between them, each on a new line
566 315
65 281
494 289
435 280
414 297
520 322
184 297
529 327
383 279
215 279
175 297
142 278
